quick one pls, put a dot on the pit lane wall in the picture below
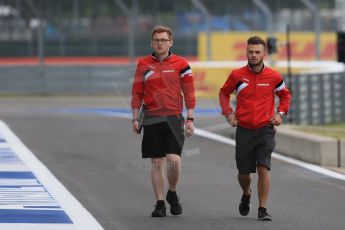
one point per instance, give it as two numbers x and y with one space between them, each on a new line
311 148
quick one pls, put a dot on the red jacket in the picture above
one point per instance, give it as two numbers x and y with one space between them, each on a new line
163 86
255 96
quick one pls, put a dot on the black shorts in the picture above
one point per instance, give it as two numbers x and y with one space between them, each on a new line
162 137
254 147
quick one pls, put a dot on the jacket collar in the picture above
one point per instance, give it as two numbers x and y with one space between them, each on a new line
155 57
263 68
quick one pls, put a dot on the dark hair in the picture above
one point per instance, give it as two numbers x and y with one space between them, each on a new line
256 40
162 29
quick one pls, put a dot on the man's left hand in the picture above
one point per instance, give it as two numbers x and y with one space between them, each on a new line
189 128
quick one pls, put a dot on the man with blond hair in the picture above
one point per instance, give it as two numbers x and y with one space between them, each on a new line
162 82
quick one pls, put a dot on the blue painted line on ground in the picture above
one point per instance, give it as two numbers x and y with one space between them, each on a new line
17 175
33 216
7 156
18 186
30 196
115 111
41 206
22 191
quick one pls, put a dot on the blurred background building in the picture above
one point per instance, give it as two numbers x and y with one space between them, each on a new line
52 47
122 27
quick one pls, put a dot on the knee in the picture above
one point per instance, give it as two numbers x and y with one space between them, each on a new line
262 170
244 178
157 163
173 161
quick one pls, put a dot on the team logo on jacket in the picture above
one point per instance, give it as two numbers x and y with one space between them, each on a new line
168 71
263 84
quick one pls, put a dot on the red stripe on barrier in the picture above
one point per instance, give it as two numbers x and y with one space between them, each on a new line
72 60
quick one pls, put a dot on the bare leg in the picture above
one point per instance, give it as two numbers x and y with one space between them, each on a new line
173 170
244 181
157 177
263 185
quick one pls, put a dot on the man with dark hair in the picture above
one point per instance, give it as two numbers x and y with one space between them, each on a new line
162 82
255 117
256 40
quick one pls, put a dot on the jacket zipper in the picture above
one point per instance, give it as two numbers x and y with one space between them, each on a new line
253 110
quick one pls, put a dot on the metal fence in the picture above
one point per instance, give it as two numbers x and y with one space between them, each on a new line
318 98
73 80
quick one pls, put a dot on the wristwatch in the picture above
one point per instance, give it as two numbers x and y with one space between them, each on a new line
190 119
282 114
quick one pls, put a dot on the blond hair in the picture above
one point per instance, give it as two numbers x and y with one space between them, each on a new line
162 29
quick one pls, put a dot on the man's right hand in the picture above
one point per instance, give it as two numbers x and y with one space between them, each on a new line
232 120
135 127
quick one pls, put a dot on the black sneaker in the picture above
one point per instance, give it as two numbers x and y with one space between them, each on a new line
174 201
244 206
160 210
263 215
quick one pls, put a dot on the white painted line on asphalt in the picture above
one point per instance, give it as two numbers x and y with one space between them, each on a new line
311 167
215 137
229 141
81 218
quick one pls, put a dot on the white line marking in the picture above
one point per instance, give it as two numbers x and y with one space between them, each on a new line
81 218
215 137
309 166
275 155
229 141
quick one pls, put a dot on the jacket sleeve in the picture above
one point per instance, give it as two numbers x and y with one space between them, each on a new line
138 87
284 95
224 95
188 89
